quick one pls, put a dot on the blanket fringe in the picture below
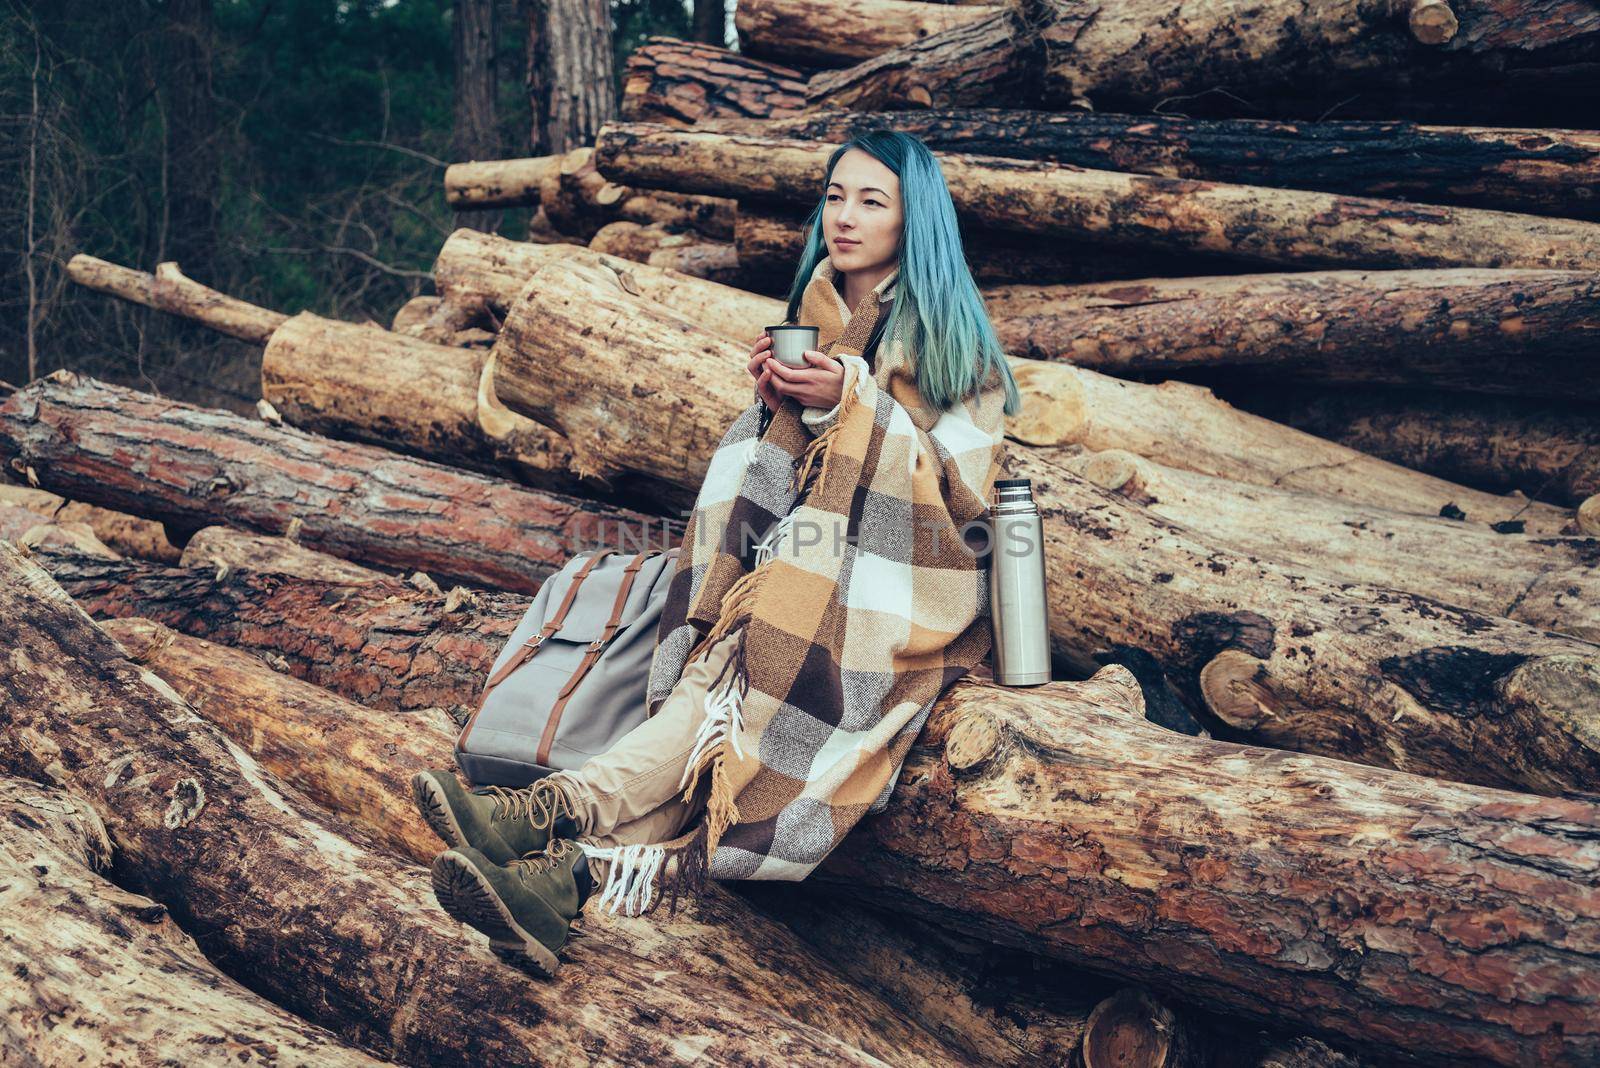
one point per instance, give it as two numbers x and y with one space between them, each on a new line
632 874
719 732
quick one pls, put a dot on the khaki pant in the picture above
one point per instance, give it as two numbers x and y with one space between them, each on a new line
630 794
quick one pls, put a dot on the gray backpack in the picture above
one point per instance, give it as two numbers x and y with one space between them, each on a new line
571 678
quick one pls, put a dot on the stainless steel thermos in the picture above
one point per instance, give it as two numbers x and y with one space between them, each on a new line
1017 609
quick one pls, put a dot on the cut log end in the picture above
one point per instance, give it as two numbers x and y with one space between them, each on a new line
972 741
1114 469
1235 687
1132 1028
1054 411
1432 22
1589 516
1563 691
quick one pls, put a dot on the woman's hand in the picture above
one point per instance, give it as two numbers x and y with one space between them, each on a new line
820 384
759 356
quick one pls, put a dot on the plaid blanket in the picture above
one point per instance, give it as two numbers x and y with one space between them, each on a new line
859 605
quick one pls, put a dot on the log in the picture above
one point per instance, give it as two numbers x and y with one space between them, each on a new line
993 61
331 931
1514 61
1550 583
474 266
78 536
558 359
359 383
382 642
1131 1027
1290 657
497 183
713 261
170 291
682 82
1494 331
412 318
1321 54
1347 900
1534 171
1367 923
789 31
224 549
629 240
1044 199
357 763
97 975
126 534
577 200
363 383
996 1006
770 240
1545 450
198 467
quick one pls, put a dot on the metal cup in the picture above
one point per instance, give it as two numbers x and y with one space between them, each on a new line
789 343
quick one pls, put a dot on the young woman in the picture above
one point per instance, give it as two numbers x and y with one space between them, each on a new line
789 681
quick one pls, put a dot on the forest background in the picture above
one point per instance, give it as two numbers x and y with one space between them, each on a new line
287 152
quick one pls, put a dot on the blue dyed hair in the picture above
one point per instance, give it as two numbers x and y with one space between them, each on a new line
937 304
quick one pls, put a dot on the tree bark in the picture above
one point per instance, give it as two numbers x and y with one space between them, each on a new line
1367 924
1550 583
770 239
381 642
997 1006
1538 172
498 183
1300 660
198 467
680 82
580 331
224 549
356 382
1040 198
1297 890
169 290
992 62
1491 331
475 133
483 267
333 932
577 94
1501 63
126 534
790 31
1321 52
96 975
1546 450
577 200
357 763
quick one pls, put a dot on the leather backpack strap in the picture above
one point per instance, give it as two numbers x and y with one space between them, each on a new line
590 656
531 646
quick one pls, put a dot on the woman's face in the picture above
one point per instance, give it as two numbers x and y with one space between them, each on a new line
863 207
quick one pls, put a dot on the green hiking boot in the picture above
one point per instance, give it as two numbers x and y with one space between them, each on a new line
502 824
525 907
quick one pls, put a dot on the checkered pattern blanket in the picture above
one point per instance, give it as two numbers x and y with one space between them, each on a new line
859 605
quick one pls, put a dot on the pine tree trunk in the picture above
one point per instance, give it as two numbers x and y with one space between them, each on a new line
793 31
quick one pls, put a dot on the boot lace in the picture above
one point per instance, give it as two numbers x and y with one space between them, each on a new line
539 804
542 863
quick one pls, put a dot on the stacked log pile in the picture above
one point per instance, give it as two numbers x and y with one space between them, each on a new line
1308 409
